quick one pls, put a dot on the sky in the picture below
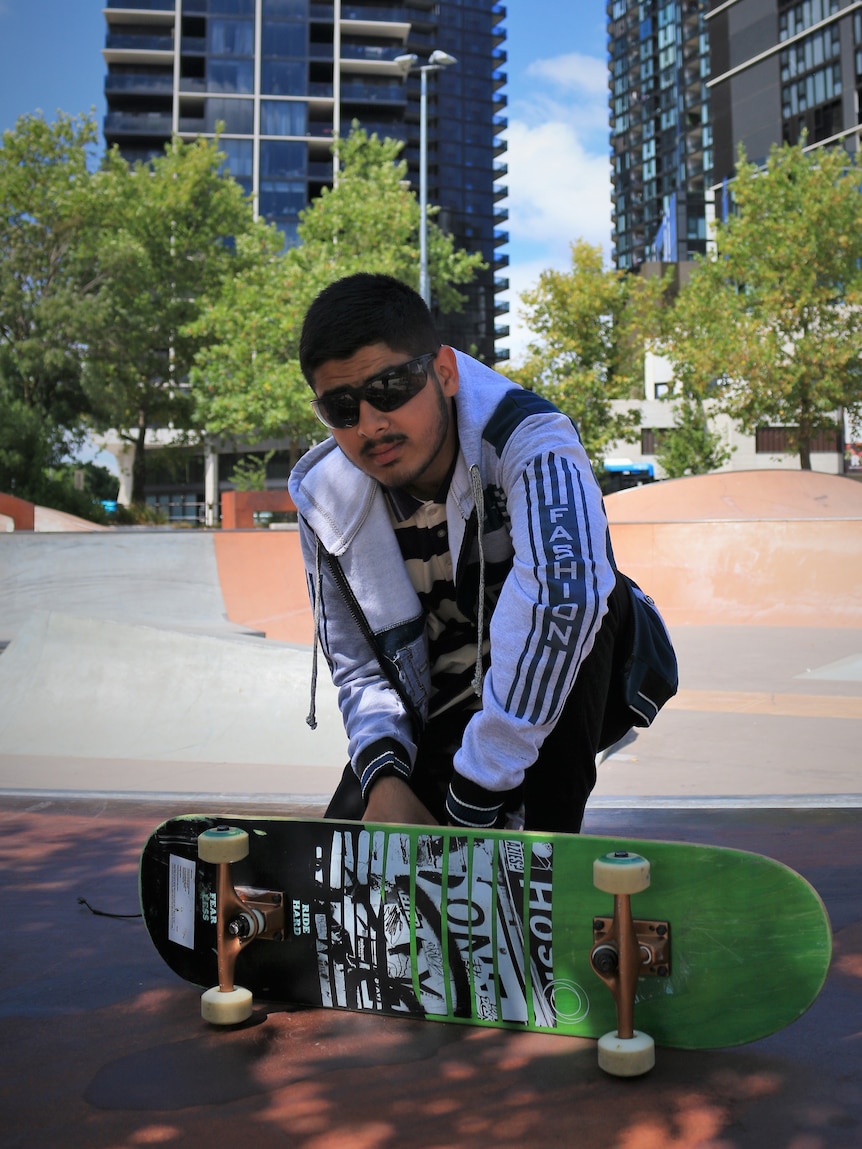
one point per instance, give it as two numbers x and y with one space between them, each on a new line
559 171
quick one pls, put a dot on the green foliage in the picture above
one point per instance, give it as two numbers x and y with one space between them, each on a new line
249 474
28 446
246 379
690 447
590 327
44 179
165 238
32 466
771 325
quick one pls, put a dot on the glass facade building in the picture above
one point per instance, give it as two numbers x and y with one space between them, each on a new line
287 77
661 132
781 69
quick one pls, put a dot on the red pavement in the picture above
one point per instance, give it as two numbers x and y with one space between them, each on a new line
103 1047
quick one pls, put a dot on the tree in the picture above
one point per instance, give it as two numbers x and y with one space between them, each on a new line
164 239
591 327
44 178
246 380
690 447
771 324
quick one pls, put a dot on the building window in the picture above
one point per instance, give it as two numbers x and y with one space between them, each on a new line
804 15
230 37
283 118
237 116
776 441
280 159
653 439
231 76
283 78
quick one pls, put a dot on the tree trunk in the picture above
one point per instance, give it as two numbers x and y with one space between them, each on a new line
805 444
139 464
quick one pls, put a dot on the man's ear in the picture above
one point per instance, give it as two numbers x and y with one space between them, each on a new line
446 366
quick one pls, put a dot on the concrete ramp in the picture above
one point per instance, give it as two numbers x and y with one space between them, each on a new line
223 715
157 578
764 548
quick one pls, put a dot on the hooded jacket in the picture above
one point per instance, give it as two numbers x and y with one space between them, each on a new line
522 488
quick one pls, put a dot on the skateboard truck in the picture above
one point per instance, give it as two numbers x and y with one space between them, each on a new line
242 916
624 950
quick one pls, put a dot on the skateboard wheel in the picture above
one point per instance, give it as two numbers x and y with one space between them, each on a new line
626 1056
223 844
228 1007
621 873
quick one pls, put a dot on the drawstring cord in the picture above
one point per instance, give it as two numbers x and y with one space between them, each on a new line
479 672
479 500
311 719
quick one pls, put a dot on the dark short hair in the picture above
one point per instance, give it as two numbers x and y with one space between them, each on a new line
362 309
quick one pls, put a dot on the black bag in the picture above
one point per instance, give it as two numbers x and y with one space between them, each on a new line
650 675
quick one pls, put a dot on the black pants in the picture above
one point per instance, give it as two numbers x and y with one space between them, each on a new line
556 787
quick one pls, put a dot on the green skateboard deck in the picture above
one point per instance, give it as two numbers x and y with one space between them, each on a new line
490 928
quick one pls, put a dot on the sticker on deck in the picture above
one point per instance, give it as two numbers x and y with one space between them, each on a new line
181 906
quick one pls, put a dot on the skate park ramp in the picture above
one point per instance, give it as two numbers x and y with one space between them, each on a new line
122 670
178 660
762 548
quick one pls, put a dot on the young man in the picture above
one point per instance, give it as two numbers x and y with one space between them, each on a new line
461 575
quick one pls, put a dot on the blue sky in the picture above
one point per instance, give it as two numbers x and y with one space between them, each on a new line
559 174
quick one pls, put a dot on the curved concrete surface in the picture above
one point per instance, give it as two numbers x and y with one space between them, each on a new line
765 548
160 578
739 495
130 666
205 713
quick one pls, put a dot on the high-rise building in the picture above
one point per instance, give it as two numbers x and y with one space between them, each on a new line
661 134
286 77
781 68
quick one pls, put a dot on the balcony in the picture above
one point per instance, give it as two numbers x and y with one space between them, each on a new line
142 5
358 92
372 53
391 130
128 84
123 41
137 124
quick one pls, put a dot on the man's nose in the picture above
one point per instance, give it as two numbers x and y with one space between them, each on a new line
371 421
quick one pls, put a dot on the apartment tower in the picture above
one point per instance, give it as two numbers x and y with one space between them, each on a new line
661 134
286 77
781 71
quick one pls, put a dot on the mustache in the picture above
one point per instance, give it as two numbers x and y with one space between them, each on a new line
383 441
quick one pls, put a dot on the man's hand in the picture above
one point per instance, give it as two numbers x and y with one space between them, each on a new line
392 800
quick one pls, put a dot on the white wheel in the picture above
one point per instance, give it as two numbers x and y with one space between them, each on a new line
228 1008
223 844
626 1056
621 873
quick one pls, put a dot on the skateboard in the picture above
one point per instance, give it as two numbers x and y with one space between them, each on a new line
703 947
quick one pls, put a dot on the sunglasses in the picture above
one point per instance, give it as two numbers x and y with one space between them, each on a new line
339 409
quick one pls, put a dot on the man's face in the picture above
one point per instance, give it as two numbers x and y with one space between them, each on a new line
410 447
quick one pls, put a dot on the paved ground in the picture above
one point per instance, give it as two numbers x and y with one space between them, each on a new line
102 1047
135 684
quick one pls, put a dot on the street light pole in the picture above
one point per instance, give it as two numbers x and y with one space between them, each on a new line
436 61
424 284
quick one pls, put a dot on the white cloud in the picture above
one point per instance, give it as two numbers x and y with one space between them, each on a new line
558 190
588 74
559 175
